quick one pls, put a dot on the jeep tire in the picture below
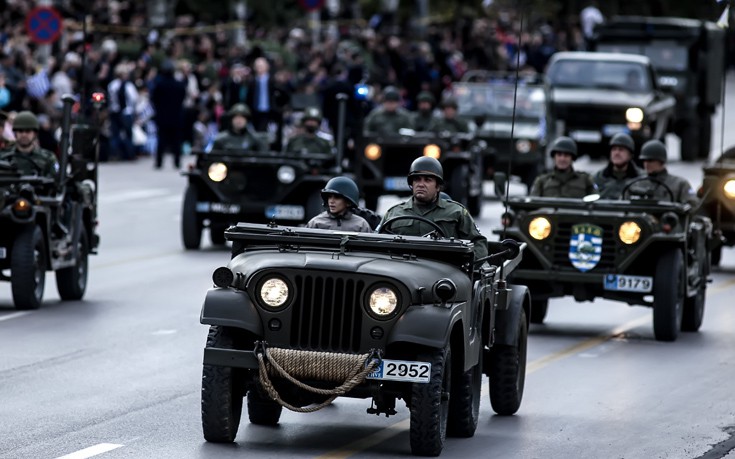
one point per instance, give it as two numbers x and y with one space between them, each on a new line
71 282
28 268
464 403
539 308
690 142
430 405
217 234
459 186
191 226
668 296
262 410
508 372
222 393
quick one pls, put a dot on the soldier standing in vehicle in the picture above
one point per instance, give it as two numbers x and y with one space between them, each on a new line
653 155
390 117
238 136
340 196
563 181
449 121
621 169
426 179
29 158
424 116
309 141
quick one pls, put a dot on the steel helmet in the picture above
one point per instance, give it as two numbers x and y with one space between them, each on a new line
312 113
344 187
564 144
427 166
450 102
25 120
623 140
239 109
426 96
653 150
392 94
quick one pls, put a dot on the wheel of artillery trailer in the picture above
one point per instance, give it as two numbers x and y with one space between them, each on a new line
430 405
191 225
71 282
464 403
28 268
508 372
668 296
217 234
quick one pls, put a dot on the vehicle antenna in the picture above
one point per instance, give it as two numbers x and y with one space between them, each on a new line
724 22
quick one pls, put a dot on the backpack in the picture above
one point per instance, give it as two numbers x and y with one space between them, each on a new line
372 218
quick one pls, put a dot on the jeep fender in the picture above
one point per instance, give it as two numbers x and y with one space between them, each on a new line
426 325
230 308
506 321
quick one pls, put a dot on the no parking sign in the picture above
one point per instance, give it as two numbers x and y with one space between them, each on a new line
44 25
311 5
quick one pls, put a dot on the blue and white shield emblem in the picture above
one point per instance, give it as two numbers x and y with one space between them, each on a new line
585 246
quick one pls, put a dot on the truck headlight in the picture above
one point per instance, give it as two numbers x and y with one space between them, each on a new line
523 146
217 172
286 174
634 115
22 208
729 189
274 292
539 228
383 301
432 151
629 232
372 151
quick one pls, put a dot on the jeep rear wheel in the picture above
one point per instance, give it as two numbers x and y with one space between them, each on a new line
222 393
430 405
508 372
459 184
464 404
705 135
716 256
690 143
262 410
72 282
668 296
217 234
539 308
28 268
191 226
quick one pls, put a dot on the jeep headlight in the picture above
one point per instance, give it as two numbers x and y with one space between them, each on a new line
373 151
523 146
217 172
22 208
629 232
274 292
729 189
383 301
539 228
634 115
432 151
286 174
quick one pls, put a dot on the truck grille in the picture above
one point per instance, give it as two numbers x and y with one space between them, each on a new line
397 159
326 314
561 248
254 182
588 117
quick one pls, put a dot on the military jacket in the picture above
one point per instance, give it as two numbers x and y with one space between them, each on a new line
680 187
306 143
345 222
37 161
245 141
380 122
450 125
451 217
563 184
610 183
422 122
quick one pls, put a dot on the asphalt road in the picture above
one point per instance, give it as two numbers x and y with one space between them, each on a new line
118 374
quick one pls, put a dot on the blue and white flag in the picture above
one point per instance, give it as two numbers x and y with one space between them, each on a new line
585 246
724 21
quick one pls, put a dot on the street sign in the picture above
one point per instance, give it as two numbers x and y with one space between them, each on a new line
311 5
44 25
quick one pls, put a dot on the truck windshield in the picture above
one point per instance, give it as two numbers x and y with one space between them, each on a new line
625 76
664 55
496 99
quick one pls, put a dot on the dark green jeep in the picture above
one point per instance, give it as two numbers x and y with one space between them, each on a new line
718 201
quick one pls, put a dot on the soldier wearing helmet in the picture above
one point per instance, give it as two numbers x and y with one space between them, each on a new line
309 141
239 136
563 181
340 196
424 116
621 168
426 179
653 155
389 117
449 122
29 158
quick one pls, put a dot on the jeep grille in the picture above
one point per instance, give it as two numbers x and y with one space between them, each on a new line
398 159
561 247
252 182
589 117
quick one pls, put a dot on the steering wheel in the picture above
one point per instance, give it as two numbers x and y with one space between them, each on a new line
385 227
654 180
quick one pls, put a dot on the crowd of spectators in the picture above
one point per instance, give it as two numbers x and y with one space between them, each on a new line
275 71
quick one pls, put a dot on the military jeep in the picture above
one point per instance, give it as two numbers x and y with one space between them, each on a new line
48 224
302 316
227 186
718 201
638 251
382 167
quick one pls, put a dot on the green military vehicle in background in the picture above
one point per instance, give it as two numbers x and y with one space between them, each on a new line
688 56
718 201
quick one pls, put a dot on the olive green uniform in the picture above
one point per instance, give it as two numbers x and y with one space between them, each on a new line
245 141
422 121
308 143
381 122
563 184
450 216
450 125
37 161
680 187
610 183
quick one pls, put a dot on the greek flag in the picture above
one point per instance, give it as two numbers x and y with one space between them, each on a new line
38 85
585 246
724 21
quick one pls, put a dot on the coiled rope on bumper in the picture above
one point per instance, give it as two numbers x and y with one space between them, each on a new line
326 366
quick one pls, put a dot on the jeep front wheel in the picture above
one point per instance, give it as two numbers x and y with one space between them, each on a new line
668 296
191 226
262 410
222 392
508 372
464 404
28 268
71 282
430 405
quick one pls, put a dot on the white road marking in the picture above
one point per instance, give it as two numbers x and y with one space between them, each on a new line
91 451
134 195
13 315
163 332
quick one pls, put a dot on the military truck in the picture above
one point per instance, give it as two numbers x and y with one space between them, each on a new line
717 195
382 167
593 96
302 316
491 100
688 56
638 251
48 224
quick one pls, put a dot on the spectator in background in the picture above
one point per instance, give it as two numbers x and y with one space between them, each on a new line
122 100
5 96
167 98
264 96
589 17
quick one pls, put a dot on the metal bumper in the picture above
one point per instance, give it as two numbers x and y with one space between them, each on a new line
230 358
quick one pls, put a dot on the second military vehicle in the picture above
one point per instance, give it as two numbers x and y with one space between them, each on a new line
718 201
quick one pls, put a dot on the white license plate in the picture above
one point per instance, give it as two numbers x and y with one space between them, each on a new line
622 283
611 129
218 208
395 184
3 253
285 212
586 136
402 370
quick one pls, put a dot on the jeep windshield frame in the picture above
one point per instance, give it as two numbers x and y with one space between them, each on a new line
621 205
